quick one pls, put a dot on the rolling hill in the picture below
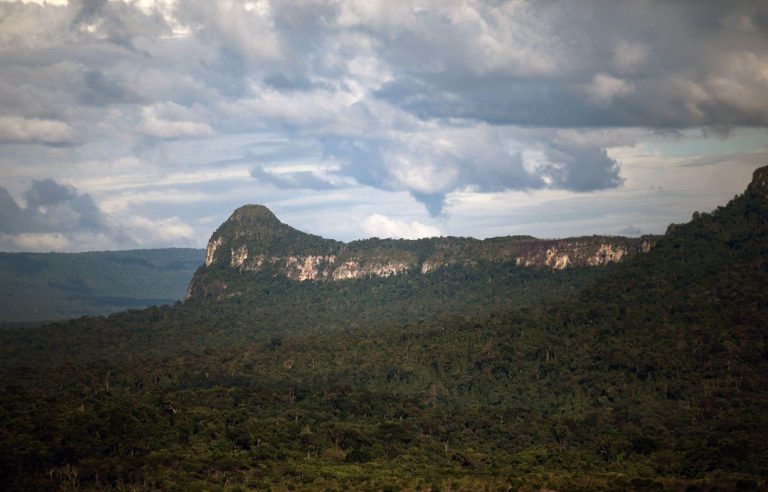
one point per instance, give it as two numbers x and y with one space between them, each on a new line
50 286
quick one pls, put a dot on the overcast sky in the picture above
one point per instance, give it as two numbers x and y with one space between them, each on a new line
134 124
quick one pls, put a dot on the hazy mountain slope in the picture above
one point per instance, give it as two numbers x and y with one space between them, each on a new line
655 376
47 286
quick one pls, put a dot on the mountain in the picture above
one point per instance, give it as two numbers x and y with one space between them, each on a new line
651 375
253 240
49 286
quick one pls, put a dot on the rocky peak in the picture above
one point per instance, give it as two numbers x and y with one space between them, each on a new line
253 230
250 215
254 221
760 181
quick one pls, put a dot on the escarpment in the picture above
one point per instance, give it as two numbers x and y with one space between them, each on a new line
580 252
253 240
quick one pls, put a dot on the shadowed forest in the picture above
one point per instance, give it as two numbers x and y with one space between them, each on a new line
649 375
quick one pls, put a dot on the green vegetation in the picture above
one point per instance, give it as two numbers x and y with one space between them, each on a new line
653 376
277 307
50 286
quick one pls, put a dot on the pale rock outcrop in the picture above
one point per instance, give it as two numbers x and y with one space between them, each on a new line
556 259
239 255
347 270
562 254
428 266
210 253
386 269
307 267
607 253
352 269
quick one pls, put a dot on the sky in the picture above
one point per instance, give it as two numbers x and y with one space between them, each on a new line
137 124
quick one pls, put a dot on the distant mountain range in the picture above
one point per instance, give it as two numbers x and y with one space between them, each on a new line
50 286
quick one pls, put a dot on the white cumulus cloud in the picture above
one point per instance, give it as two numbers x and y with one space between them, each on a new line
171 231
605 88
19 129
155 126
377 225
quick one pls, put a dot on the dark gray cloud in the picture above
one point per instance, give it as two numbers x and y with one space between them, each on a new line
581 169
88 10
50 208
555 64
119 23
655 64
433 201
12 217
99 90
434 166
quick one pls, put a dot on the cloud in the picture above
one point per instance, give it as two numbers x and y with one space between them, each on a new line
434 202
50 207
433 163
432 99
88 10
58 217
49 132
157 127
61 242
580 169
170 231
518 63
34 242
629 57
655 45
99 90
43 2
293 179
249 29
605 88
377 225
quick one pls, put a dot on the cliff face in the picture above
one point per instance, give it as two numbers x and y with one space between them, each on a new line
254 240
351 261
580 252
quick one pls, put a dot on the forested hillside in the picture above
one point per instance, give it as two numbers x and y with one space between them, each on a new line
50 286
653 376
